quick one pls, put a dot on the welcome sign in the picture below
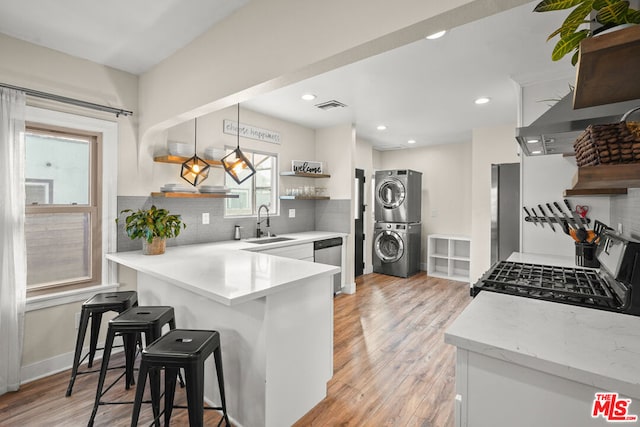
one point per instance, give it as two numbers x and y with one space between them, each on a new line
306 166
230 127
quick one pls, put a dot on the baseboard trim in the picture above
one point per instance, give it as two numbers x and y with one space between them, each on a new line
56 364
349 288
213 404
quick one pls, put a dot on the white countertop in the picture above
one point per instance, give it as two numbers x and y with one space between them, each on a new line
594 347
229 272
545 259
589 346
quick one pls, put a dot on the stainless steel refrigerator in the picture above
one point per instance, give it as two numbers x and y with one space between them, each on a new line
505 210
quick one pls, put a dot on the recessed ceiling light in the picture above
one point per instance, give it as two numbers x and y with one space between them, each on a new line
532 141
482 100
411 141
308 97
381 127
536 152
436 35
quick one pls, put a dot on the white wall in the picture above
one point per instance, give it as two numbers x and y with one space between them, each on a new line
545 178
297 143
538 97
446 186
490 146
336 147
50 333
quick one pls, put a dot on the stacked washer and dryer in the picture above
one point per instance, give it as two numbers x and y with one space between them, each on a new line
398 228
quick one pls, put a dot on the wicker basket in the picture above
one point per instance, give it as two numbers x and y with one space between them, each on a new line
609 143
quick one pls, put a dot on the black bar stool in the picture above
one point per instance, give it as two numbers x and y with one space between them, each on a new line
93 308
130 324
187 349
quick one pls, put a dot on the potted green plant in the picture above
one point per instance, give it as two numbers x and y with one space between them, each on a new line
608 13
154 226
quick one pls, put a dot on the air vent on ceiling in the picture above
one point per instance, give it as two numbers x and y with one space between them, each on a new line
330 104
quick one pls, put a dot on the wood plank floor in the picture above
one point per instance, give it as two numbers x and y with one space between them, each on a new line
391 366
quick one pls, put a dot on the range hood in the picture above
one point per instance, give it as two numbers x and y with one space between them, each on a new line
555 131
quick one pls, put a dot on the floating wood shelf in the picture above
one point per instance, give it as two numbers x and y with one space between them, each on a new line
179 160
305 175
304 197
607 71
196 195
605 180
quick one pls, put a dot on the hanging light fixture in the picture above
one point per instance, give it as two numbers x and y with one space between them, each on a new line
195 170
236 163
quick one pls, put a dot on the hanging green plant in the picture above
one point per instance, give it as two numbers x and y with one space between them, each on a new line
608 13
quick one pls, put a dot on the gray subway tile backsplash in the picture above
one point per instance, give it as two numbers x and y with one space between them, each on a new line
329 215
625 210
333 215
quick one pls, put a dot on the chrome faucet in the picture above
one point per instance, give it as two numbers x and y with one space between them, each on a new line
259 232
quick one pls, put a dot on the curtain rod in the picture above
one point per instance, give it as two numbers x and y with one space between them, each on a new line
66 100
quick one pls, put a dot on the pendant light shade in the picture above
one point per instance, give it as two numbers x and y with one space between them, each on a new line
236 163
195 170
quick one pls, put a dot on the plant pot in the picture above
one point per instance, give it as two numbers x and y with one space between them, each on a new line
156 247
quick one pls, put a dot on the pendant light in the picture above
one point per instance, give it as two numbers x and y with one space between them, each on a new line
195 170
236 163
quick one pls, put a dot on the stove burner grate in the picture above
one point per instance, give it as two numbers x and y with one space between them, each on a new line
563 284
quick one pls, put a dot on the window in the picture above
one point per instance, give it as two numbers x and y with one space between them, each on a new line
44 191
258 190
63 212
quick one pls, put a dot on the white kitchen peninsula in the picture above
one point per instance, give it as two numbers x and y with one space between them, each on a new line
274 315
529 363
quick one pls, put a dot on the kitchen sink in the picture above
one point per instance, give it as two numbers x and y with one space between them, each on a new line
264 240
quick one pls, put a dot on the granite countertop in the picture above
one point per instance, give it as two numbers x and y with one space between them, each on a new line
230 272
589 346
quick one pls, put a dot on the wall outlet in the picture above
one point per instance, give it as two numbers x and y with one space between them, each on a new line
292 213
434 213
77 322
205 218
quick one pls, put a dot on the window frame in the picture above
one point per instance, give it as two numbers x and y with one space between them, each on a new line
275 209
108 196
92 208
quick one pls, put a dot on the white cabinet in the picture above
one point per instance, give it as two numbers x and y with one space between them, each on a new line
303 251
448 256
497 393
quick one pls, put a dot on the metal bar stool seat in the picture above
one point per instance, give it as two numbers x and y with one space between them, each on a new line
130 324
180 349
93 309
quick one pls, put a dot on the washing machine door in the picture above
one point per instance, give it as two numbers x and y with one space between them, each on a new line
391 193
389 246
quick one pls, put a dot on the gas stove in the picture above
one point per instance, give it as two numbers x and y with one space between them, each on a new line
614 287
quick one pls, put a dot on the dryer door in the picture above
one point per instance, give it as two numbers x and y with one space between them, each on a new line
391 193
389 246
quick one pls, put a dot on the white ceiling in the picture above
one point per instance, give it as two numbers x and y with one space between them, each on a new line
423 91
128 35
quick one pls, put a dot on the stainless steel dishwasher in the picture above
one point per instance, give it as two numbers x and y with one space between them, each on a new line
329 251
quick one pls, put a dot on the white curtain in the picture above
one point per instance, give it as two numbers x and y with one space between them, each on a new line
13 257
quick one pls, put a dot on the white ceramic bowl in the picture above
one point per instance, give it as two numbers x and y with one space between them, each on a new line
179 148
214 153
